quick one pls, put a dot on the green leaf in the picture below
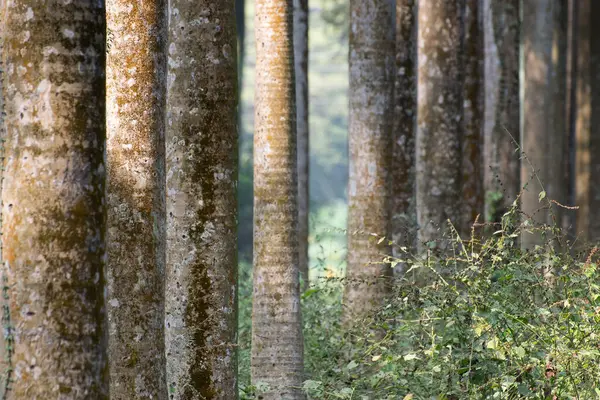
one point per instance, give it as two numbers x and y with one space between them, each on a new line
542 195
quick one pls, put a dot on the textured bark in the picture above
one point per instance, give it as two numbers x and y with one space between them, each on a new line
502 130
472 143
136 195
53 197
582 110
372 57
201 164
6 339
439 117
594 149
276 319
301 70
544 110
405 112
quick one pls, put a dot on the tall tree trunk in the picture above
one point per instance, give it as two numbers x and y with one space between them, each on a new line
6 340
277 346
544 111
301 70
582 108
439 116
472 143
201 165
53 197
136 195
405 112
372 57
594 197
502 132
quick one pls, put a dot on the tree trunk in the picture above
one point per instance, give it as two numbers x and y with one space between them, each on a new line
582 109
7 339
53 197
439 117
301 70
472 144
544 112
136 195
277 346
405 112
594 225
372 56
502 132
201 165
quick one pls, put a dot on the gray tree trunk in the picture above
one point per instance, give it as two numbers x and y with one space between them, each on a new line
136 197
302 107
201 177
53 197
544 112
439 117
277 348
372 57
502 106
405 112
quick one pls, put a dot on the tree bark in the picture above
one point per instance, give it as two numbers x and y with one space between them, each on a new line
136 197
372 57
201 177
277 347
53 197
502 132
439 117
594 225
7 339
472 143
544 112
301 70
405 112
582 110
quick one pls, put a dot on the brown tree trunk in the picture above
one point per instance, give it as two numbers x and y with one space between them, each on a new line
502 131
582 109
372 55
201 174
405 112
472 143
136 195
53 197
301 70
277 348
544 112
439 117
594 144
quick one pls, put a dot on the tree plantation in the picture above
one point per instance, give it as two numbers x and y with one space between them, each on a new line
299 199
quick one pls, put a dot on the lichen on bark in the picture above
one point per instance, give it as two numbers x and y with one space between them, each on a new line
53 196
201 173
136 79
277 348
439 118
372 56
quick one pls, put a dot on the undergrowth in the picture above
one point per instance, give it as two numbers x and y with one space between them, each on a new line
483 320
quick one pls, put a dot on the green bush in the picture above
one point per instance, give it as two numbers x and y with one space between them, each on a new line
486 320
